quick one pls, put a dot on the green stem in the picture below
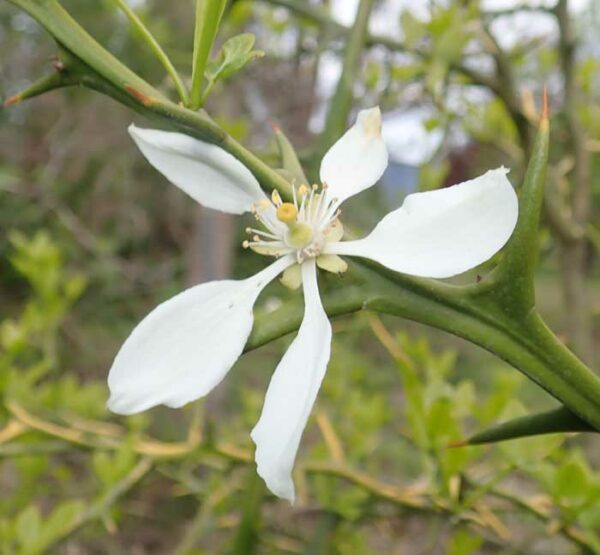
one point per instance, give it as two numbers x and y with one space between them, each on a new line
341 103
247 536
155 48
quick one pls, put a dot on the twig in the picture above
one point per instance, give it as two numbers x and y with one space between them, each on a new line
100 507
101 437
343 98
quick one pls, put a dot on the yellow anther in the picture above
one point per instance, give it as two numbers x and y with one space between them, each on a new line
302 190
275 197
287 213
263 203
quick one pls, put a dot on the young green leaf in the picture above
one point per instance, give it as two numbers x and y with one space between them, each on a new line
208 18
233 56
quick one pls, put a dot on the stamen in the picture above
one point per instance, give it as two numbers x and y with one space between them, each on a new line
331 210
302 190
319 209
302 211
310 203
264 217
262 233
276 198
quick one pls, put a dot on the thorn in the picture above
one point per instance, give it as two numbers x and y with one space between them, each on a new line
545 103
459 443
143 98
274 126
13 100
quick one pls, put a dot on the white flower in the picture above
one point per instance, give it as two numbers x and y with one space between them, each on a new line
186 345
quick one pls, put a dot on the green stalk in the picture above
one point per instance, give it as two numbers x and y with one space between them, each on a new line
208 18
341 103
155 48
246 539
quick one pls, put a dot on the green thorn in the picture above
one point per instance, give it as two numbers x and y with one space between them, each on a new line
548 422
48 83
514 278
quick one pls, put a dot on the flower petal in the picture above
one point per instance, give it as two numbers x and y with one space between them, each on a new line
292 392
445 232
357 160
187 344
207 173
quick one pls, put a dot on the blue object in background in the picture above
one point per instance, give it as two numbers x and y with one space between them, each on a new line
398 181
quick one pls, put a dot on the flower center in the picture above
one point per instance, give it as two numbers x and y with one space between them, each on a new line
302 227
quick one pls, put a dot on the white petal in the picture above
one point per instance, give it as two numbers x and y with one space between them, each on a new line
187 344
292 392
207 173
357 160
445 232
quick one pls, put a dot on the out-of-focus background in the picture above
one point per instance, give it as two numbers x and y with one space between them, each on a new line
92 238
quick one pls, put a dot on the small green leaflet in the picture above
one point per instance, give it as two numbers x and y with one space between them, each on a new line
233 56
